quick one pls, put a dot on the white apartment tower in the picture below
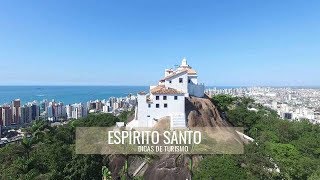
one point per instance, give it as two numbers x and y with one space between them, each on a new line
167 99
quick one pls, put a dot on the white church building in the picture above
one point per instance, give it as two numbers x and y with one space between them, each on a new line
167 99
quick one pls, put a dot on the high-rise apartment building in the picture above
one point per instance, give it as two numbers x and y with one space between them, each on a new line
28 114
15 111
79 111
1 123
34 111
6 115
23 115
69 111
50 113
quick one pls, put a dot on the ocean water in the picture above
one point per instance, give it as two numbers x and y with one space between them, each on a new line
65 94
72 94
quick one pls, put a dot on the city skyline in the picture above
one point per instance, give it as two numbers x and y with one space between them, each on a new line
110 43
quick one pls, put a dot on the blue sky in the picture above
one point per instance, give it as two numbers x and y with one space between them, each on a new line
229 42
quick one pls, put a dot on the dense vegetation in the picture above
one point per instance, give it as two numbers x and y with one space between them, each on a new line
50 153
282 149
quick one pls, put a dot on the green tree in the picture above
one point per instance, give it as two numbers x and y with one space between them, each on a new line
217 167
223 102
289 146
315 175
50 152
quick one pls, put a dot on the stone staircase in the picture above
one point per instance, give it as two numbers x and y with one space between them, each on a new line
178 121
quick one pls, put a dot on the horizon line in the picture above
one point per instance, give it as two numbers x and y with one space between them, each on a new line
97 85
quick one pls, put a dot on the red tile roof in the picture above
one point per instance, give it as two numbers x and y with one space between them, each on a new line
174 74
191 71
142 93
165 90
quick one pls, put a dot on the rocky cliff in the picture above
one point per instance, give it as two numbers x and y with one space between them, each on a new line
173 167
201 112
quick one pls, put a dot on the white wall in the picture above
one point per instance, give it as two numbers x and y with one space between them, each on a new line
175 107
142 107
192 88
196 90
183 87
193 78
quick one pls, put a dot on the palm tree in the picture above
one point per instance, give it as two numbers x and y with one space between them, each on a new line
27 145
124 173
38 135
106 174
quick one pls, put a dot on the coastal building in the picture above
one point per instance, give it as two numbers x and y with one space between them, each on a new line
106 109
69 111
6 115
28 114
1 123
43 105
50 113
99 105
56 111
15 111
96 105
35 111
59 110
291 103
79 110
23 115
167 98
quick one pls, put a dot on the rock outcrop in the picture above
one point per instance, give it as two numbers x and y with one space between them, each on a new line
116 163
169 167
201 112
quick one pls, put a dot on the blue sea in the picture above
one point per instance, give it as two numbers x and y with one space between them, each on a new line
70 94
65 94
